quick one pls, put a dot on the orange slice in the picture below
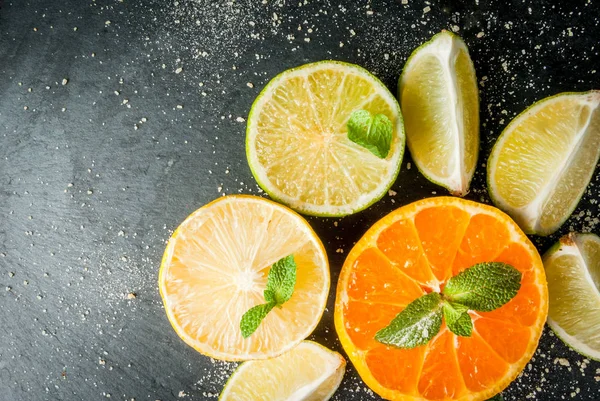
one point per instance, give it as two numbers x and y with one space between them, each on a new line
215 268
415 250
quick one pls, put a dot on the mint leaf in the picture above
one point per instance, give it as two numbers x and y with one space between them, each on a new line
269 296
281 281
415 325
497 397
280 287
371 132
484 286
457 319
252 318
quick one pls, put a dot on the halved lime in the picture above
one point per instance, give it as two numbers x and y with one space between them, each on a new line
440 104
544 159
297 141
573 273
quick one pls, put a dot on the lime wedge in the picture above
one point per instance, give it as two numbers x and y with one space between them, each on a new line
307 372
544 159
297 139
440 104
573 273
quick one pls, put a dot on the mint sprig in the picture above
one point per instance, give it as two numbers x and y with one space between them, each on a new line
485 286
415 325
280 287
482 287
373 132
253 317
457 318
281 281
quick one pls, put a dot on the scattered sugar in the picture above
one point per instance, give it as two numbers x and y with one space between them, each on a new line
230 49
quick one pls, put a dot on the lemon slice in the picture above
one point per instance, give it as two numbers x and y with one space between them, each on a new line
573 273
309 372
215 268
544 159
297 141
440 104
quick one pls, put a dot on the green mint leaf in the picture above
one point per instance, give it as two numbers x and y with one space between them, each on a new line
457 319
497 397
371 132
415 325
484 286
281 281
270 296
252 318
458 307
280 287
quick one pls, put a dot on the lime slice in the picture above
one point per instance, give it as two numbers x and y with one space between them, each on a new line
544 159
573 273
297 140
440 104
309 372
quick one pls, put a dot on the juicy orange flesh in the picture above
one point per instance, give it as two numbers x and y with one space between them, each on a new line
411 260
411 254
395 367
449 234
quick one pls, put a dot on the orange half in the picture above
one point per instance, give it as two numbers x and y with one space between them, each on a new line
415 250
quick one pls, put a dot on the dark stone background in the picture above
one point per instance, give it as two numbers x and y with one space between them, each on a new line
87 201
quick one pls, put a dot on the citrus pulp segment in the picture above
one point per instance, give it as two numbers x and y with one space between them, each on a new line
573 271
308 372
440 104
297 141
215 268
413 251
544 159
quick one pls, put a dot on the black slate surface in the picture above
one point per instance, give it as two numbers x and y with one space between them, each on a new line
96 173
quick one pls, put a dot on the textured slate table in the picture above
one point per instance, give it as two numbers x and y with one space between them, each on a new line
106 146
